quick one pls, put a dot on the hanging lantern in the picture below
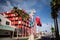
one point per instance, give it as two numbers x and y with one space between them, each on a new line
38 21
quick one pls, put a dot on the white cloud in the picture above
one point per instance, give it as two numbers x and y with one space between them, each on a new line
27 5
46 2
46 25
7 7
58 20
59 24
9 4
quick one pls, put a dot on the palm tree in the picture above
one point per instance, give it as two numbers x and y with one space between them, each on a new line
52 30
58 3
54 15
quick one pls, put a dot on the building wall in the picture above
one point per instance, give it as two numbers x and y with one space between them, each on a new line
24 26
3 20
5 26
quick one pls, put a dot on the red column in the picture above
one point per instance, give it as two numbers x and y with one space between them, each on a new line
25 31
22 31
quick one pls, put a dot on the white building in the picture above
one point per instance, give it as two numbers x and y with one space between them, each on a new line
4 21
5 26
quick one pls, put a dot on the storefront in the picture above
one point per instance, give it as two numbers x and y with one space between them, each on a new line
6 31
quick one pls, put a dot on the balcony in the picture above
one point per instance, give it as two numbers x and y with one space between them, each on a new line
11 15
16 22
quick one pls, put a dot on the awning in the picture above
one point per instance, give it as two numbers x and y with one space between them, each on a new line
5 27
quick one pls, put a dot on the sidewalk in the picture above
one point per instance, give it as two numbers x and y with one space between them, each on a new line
7 38
20 38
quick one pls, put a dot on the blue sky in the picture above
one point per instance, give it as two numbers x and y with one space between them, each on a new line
42 8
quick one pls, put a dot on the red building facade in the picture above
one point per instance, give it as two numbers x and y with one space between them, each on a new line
22 25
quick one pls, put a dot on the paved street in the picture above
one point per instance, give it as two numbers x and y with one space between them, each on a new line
5 38
20 38
26 38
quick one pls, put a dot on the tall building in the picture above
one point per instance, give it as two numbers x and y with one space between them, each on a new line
22 25
4 21
5 26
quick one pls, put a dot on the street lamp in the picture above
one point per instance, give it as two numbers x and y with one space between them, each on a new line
31 17
32 22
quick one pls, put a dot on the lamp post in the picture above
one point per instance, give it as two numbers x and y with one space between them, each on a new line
32 19
31 16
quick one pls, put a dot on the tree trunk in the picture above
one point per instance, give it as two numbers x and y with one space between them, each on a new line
56 29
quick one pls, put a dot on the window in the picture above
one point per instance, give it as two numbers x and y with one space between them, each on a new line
0 20
20 30
7 23
19 22
16 24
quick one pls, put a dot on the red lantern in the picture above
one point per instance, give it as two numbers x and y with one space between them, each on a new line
38 21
